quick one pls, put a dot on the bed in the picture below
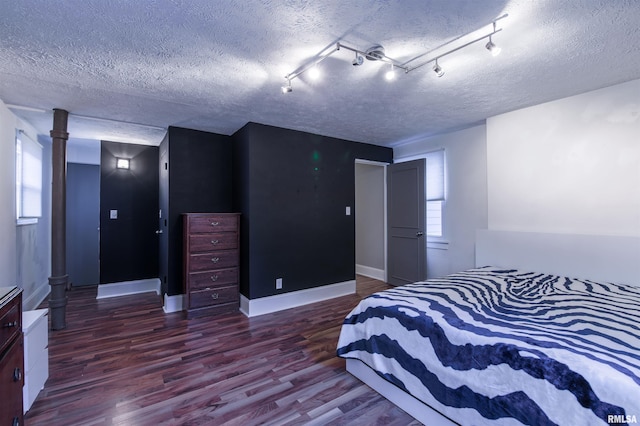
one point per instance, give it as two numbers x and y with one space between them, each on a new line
534 334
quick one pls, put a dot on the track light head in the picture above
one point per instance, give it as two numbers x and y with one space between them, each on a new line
491 47
438 69
287 87
357 61
391 74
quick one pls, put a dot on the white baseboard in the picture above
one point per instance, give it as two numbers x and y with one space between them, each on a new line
279 302
35 299
173 303
128 287
370 272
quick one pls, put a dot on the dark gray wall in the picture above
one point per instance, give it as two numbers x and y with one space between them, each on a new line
199 180
129 244
292 189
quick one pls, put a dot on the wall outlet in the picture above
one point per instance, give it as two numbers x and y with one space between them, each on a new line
278 283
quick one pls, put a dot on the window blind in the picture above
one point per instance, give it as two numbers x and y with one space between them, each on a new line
435 175
28 177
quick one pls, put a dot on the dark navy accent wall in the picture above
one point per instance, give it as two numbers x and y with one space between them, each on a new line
292 189
128 244
199 180
241 201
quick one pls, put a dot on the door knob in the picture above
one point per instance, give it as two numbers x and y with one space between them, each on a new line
419 234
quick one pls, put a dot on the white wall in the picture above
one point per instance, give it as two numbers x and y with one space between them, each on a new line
25 250
568 166
465 207
7 195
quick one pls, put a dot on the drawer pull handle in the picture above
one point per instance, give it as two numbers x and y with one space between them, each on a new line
214 296
215 223
16 421
214 278
17 374
214 242
11 324
215 259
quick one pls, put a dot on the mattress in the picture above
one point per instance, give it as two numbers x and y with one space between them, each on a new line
503 346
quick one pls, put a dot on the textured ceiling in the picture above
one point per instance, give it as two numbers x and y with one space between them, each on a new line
128 69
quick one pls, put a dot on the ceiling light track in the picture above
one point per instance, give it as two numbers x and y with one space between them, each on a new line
377 53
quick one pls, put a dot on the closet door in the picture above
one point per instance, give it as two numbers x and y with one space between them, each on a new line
83 224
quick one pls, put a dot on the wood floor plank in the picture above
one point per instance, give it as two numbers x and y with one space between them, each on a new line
123 361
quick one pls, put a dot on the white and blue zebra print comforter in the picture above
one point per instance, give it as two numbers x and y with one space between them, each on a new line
495 346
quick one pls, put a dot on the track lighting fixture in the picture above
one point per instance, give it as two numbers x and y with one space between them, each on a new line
377 53
438 69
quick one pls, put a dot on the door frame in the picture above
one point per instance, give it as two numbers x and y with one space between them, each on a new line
384 207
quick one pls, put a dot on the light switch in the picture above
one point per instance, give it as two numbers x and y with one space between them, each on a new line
348 211
113 214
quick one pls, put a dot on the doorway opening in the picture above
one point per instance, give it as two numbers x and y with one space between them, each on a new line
371 219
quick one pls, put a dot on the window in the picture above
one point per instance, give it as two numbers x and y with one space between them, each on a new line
28 179
435 192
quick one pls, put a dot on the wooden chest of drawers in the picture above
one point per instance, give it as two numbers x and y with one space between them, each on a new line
211 262
11 356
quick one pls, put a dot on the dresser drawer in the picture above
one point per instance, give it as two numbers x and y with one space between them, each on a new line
212 279
199 243
11 383
222 295
198 225
211 261
10 323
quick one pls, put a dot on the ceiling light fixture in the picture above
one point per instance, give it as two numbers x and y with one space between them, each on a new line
377 53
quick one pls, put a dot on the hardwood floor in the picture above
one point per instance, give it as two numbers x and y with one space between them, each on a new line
123 361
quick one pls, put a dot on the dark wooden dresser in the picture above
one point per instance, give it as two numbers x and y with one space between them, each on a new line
211 262
11 356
